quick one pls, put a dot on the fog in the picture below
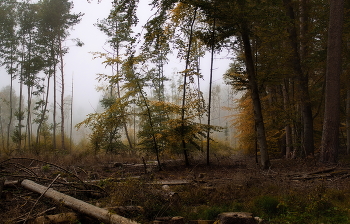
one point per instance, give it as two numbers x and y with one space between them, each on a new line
81 69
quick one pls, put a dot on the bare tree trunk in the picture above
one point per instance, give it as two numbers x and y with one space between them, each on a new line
11 106
119 96
330 134
29 123
54 144
150 119
71 120
42 117
288 129
348 121
253 85
302 79
20 115
210 91
184 147
62 96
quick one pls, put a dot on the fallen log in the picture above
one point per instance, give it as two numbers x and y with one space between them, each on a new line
100 214
70 217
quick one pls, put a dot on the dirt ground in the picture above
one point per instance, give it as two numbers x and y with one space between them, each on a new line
78 178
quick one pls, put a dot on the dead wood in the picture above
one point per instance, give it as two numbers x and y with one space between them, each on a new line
322 171
172 182
80 206
10 183
69 217
21 167
321 174
2 182
41 197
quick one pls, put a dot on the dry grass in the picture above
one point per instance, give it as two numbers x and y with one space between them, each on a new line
232 183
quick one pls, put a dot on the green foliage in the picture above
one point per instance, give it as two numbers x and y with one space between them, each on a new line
45 168
267 206
320 206
106 127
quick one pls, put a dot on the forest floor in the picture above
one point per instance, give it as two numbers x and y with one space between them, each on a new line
230 182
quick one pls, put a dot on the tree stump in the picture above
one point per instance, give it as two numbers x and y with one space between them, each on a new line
236 218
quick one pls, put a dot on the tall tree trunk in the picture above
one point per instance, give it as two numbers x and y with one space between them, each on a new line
62 96
20 113
210 91
54 143
330 134
71 120
288 129
150 119
348 121
43 113
301 78
29 122
124 114
11 111
253 85
184 147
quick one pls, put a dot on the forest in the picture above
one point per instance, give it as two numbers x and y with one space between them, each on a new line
272 140
287 82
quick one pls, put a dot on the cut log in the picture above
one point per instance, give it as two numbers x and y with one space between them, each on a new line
10 183
237 218
70 217
100 214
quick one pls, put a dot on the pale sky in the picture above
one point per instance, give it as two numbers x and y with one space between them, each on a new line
80 65
79 61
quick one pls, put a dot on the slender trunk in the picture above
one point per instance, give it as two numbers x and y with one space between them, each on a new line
62 96
288 129
2 132
348 121
156 148
210 93
200 97
11 112
184 147
71 120
54 144
253 85
330 134
20 115
43 113
119 96
29 123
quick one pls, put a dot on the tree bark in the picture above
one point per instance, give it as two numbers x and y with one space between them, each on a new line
210 91
253 85
301 78
184 147
348 121
62 96
80 206
330 134
43 113
288 129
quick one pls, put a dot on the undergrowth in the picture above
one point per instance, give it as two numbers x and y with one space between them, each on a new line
316 205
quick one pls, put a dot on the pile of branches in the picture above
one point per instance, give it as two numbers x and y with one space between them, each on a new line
41 177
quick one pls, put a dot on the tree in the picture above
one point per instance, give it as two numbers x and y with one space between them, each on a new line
299 51
53 27
9 52
118 28
330 134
